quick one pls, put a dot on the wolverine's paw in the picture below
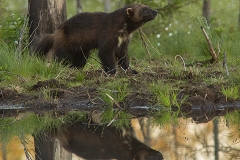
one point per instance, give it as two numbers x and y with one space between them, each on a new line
130 71
134 72
110 72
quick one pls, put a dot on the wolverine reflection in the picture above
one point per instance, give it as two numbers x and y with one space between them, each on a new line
102 142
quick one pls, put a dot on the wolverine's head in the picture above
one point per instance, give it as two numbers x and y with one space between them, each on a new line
140 13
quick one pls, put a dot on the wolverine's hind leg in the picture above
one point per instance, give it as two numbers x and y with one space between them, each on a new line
80 58
72 56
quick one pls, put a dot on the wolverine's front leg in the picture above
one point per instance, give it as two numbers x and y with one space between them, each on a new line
108 59
122 57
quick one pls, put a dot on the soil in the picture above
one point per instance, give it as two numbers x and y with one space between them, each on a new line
204 102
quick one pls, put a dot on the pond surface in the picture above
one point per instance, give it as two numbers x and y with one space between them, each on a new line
184 140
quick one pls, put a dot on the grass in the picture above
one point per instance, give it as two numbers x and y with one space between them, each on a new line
114 95
30 123
164 117
116 117
114 92
166 95
231 92
16 69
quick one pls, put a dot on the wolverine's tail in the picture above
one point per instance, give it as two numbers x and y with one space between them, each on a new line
45 44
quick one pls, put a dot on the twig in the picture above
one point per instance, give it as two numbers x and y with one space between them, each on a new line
144 43
219 50
33 34
152 45
22 32
150 42
24 142
225 63
26 152
15 75
13 121
89 98
114 118
58 74
185 69
115 102
212 51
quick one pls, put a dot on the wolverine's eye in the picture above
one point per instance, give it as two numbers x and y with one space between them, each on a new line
145 10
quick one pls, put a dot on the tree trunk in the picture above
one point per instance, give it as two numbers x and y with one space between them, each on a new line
79 6
4 150
60 153
206 9
43 148
50 149
44 17
107 5
170 11
216 140
239 14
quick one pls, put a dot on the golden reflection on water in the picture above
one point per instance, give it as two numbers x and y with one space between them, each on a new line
184 141
188 140
15 150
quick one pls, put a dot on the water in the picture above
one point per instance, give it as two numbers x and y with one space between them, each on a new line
185 140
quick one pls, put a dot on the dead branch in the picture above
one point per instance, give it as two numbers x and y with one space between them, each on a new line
114 118
24 143
212 51
58 74
144 43
185 69
115 102
26 151
90 99
225 63
15 75
219 50
152 45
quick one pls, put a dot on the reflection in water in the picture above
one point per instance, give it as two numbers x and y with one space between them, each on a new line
183 141
101 142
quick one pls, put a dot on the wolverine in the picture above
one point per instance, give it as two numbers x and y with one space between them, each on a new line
109 33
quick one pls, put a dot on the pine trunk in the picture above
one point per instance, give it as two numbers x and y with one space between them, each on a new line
44 17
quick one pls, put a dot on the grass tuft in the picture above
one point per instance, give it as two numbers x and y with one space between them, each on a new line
231 92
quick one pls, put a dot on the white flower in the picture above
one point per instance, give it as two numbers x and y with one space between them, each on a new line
158 36
170 34
170 24
166 28
16 42
158 44
189 32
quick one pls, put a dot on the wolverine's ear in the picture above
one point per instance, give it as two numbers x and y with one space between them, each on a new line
129 12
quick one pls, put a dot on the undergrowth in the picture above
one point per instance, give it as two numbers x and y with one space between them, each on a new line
27 68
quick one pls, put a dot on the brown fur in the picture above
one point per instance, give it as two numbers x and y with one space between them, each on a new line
110 33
